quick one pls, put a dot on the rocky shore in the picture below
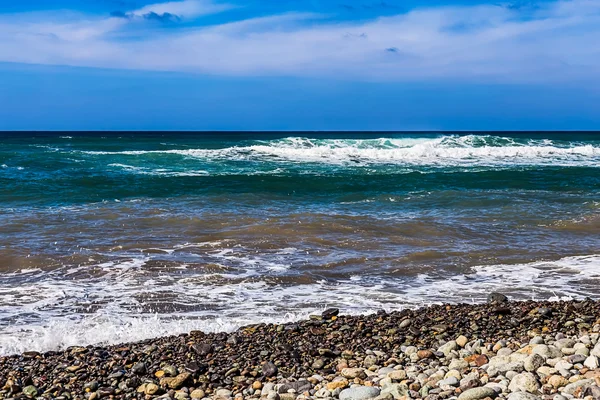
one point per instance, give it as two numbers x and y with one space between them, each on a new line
501 349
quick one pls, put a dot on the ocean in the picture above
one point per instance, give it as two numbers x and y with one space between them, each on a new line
117 237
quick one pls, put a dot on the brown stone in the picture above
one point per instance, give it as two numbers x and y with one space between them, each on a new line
176 382
425 354
477 359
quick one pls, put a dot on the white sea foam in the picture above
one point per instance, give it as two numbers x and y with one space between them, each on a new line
157 172
126 302
472 150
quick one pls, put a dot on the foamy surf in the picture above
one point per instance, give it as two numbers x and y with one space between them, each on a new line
108 310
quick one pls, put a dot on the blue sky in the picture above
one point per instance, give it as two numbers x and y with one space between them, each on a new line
296 65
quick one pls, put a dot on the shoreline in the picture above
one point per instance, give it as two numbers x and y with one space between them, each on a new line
521 350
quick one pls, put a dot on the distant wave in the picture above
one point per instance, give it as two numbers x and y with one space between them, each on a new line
471 150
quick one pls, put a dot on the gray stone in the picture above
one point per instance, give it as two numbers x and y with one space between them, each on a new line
359 393
269 369
323 393
576 358
533 362
572 387
452 381
397 390
591 362
495 297
223 393
448 347
546 351
502 364
537 340
369 361
477 393
524 382
592 391
298 387
522 396
562 343
596 351
267 387
405 324
458 364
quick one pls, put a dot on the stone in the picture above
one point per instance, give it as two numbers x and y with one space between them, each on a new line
177 381
453 373
397 390
572 387
576 358
501 364
524 382
30 391
537 340
338 383
170 370
533 362
273 395
562 365
202 349
448 347
267 387
151 389
405 324
548 352
223 393
461 341
330 313
425 354
297 387
139 368
197 394
458 364
557 381
452 381
398 375
269 369
496 297
477 393
591 362
478 360
180 395
369 361
562 343
351 373
592 391
359 393
91 386
522 396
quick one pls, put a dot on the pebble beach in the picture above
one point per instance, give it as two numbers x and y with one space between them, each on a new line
496 350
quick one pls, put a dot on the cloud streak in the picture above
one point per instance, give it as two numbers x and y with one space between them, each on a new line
552 42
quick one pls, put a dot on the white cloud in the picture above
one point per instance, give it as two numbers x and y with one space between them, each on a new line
554 42
184 9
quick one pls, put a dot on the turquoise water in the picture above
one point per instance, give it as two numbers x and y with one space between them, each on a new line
132 235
